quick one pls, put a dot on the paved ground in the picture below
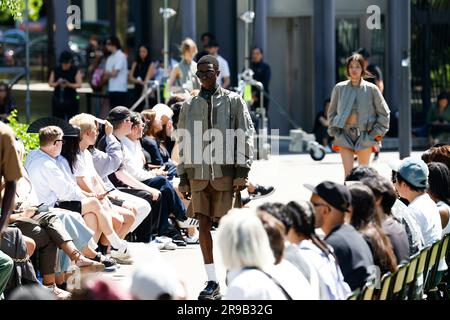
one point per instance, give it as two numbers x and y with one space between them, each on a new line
287 173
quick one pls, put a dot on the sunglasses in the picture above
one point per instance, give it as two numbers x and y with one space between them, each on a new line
205 74
59 140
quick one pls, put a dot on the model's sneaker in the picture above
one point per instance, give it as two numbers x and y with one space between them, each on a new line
211 291
189 223
58 293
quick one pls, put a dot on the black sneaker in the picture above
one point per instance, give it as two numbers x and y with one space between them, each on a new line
109 263
261 191
211 292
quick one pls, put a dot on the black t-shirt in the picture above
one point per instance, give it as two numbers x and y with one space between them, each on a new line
353 254
69 94
399 239
317 124
376 72
262 74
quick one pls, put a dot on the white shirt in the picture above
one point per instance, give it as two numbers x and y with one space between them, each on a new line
426 212
132 160
118 61
328 270
255 285
442 204
224 70
84 167
51 178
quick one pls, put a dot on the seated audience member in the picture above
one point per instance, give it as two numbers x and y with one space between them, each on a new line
16 268
439 191
153 142
157 281
302 233
362 217
165 197
292 280
385 198
399 210
439 120
292 252
411 184
55 186
88 178
247 256
109 163
438 153
331 201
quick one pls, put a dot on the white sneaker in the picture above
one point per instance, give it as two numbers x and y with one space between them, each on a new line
58 293
170 246
192 239
122 255
189 223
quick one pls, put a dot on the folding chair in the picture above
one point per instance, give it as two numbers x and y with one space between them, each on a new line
416 290
410 275
399 282
443 285
386 282
355 295
431 266
435 276
368 291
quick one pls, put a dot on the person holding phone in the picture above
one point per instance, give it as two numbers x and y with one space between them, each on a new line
66 79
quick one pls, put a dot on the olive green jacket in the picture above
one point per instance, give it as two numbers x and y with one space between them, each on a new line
226 156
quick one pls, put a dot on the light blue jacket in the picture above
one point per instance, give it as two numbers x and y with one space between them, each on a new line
373 111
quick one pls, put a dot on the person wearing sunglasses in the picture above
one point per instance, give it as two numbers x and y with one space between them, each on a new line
212 182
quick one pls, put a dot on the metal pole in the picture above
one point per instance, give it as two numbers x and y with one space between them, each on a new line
166 41
405 132
27 58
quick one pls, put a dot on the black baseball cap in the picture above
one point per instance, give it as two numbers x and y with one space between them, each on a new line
119 114
336 195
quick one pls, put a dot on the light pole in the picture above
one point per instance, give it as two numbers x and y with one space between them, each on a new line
166 13
248 18
27 61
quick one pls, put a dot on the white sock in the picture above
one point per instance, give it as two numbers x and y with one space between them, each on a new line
115 241
92 244
211 272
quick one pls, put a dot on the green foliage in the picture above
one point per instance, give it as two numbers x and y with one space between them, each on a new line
29 140
16 8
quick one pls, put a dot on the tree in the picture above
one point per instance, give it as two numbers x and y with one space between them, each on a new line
15 8
122 21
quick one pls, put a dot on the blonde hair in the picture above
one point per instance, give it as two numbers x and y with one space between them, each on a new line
49 134
85 122
188 45
243 242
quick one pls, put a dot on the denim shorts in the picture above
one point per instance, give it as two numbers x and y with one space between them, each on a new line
353 138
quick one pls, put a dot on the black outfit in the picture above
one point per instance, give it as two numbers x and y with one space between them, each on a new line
7 108
140 72
262 73
376 72
353 254
320 131
118 99
66 101
399 239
